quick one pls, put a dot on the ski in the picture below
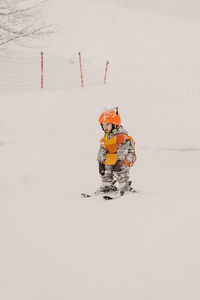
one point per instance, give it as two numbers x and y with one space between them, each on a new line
101 194
85 195
119 195
109 195
98 193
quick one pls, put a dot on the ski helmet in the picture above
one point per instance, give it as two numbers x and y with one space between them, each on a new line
110 116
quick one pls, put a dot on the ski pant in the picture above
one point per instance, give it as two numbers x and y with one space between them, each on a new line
121 176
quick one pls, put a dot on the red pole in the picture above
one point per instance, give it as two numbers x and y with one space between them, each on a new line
106 70
81 69
42 69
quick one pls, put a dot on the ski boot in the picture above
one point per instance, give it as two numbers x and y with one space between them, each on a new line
125 187
107 187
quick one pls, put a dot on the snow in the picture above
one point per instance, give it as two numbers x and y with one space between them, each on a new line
122 35
55 244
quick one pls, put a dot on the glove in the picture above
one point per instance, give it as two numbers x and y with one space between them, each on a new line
118 166
101 168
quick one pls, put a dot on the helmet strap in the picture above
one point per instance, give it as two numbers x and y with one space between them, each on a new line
115 127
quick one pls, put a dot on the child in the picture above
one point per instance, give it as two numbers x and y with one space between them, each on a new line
116 154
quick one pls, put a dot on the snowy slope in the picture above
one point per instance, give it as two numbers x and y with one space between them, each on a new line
187 9
108 31
55 244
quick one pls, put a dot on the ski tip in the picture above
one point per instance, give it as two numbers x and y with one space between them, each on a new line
85 195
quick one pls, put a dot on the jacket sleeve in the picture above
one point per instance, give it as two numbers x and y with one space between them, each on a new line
101 154
126 150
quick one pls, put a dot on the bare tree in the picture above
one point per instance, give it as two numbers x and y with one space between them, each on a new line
22 20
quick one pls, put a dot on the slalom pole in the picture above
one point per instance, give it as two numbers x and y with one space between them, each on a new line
81 69
106 70
42 70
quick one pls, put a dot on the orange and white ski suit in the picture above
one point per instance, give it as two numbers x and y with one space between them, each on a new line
117 146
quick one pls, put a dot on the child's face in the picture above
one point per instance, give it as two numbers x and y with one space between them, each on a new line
107 127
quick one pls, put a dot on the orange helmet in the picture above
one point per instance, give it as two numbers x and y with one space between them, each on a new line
110 116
